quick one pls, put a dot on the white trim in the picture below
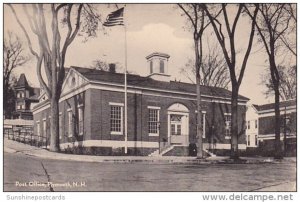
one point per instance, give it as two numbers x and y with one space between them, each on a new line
94 85
70 109
260 136
112 87
178 113
227 113
153 134
223 146
60 120
80 116
153 107
273 113
44 119
160 90
116 104
68 75
204 123
116 132
70 123
227 137
41 108
112 143
282 109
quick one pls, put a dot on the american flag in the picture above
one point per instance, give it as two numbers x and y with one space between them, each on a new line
115 18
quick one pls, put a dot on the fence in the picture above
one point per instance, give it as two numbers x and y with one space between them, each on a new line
25 135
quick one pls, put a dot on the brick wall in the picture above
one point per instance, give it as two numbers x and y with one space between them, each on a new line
97 117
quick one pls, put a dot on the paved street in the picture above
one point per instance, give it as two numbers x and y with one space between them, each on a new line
33 172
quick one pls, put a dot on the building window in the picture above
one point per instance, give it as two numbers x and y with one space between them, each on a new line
38 130
70 123
44 129
256 124
153 121
161 66
227 126
20 94
256 140
248 140
203 124
116 118
50 128
80 119
151 67
60 125
248 124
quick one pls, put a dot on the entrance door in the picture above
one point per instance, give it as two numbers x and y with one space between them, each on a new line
176 123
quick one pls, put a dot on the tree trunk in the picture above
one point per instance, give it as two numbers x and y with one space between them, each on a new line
234 122
199 131
275 79
277 144
198 91
54 137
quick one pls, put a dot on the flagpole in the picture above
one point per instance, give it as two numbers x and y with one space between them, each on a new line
125 83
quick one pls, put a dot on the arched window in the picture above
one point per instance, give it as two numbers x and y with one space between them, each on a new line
151 67
161 66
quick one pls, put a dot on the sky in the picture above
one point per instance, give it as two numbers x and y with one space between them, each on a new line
150 28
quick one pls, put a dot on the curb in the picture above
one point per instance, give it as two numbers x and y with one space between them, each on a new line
45 154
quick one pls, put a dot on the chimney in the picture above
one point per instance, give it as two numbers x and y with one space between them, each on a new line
112 68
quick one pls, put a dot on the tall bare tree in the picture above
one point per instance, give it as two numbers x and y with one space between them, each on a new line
14 56
287 84
272 23
198 23
289 37
230 57
213 69
46 25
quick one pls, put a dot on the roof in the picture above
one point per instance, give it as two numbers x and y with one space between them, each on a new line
256 107
147 82
282 104
158 54
22 82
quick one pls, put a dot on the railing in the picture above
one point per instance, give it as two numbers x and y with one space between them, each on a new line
26 136
163 146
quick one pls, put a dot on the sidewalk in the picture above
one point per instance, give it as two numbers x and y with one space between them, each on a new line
11 146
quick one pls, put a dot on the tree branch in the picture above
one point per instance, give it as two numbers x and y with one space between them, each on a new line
25 32
249 46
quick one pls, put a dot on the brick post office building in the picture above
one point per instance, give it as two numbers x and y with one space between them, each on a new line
161 113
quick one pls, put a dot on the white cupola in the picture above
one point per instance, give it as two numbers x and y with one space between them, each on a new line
158 66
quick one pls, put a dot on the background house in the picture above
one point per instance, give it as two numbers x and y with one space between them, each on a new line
260 126
26 97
